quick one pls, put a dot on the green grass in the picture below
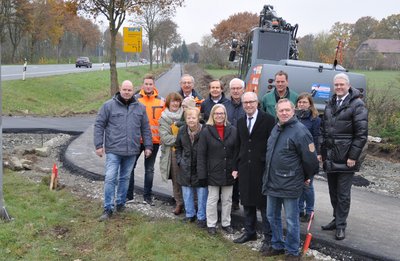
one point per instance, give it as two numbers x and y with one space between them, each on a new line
386 81
57 225
65 94
218 73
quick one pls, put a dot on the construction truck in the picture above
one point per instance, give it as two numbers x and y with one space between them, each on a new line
272 47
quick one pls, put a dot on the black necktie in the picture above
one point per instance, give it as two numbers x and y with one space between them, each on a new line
249 125
338 102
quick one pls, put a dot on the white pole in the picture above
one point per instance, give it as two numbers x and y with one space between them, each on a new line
3 212
24 70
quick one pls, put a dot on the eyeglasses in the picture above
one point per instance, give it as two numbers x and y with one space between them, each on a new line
236 88
186 82
249 102
219 113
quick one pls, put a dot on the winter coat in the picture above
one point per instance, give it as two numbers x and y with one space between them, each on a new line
290 157
312 124
207 105
235 112
215 157
121 127
269 100
186 157
251 158
154 106
168 132
344 133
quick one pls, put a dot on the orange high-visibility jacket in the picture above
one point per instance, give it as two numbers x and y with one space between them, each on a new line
154 106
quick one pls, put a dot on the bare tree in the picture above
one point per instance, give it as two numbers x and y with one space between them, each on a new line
166 37
115 11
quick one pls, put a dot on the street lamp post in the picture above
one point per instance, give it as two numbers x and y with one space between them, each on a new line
3 212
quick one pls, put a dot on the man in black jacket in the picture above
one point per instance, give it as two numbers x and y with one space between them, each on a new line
216 96
291 157
344 132
253 132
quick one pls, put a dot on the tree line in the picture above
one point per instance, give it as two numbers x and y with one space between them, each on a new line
320 47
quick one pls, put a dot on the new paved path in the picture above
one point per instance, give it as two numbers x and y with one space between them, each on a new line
373 225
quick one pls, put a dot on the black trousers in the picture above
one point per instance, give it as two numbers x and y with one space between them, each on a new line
250 222
340 194
235 192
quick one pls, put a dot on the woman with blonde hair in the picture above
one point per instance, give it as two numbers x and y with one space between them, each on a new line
216 153
186 157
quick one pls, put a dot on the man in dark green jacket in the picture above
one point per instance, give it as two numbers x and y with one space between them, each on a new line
280 91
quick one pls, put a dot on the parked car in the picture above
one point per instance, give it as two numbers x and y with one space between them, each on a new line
83 61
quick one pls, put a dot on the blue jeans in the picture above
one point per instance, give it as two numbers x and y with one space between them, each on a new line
148 173
274 207
308 198
117 169
188 199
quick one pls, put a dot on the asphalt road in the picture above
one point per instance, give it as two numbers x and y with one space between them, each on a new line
373 227
14 72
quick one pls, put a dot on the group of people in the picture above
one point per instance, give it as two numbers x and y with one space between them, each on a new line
216 149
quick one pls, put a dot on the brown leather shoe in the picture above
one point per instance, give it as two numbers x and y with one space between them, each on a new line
178 210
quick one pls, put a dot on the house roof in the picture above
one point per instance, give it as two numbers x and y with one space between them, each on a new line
381 45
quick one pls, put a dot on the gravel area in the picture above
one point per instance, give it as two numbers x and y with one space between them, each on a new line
383 176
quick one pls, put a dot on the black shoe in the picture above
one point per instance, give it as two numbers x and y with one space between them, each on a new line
212 231
340 234
120 208
306 218
235 206
202 223
266 244
148 201
105 216
273 252
245 238
189 219
330 226
228 230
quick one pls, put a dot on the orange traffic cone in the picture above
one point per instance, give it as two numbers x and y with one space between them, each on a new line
54 177
307 241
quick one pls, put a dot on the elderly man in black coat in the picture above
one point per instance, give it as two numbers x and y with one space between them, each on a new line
253 132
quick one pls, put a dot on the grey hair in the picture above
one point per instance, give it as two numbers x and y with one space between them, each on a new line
252 94
342 76
186 75
282 101
238 80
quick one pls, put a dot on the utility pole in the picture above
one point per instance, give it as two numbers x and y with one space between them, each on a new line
3 212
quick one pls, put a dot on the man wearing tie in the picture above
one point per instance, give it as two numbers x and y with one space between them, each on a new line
344 132
253 132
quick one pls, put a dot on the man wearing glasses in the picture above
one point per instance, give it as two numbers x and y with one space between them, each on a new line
253 132
187 89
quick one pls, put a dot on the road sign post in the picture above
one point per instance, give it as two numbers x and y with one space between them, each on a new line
133 39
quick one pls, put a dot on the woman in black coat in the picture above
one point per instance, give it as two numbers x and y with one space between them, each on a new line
215 158
186 156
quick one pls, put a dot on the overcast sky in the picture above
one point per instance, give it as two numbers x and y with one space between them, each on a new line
198 17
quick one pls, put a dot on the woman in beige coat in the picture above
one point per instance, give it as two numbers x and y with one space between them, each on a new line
169 126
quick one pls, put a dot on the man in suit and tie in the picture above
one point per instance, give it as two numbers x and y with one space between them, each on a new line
253 132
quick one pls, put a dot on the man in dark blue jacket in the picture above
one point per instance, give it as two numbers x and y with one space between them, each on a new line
290 155
216 96
119 125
